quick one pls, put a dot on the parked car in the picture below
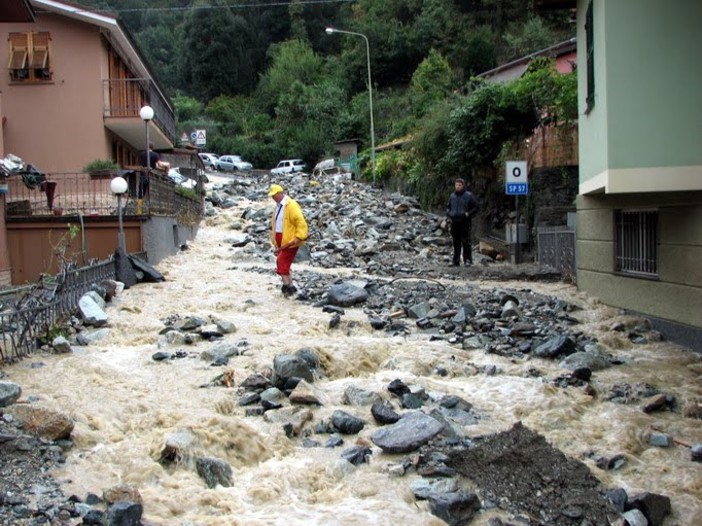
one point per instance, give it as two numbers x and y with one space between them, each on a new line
180 179
289 166
233 162
209 160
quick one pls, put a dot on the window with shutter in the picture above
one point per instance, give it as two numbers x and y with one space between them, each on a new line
30 57
18 48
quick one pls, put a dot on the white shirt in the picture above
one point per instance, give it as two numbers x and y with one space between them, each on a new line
279 213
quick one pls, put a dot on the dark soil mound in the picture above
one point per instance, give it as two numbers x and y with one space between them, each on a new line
520 471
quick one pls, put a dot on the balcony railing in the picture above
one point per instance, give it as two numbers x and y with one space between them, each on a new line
89 195
125 97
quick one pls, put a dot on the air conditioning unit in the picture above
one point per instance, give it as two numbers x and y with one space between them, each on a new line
511 234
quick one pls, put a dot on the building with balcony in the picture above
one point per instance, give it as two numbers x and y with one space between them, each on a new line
73 88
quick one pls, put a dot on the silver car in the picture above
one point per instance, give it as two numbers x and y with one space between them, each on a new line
231 163
209 160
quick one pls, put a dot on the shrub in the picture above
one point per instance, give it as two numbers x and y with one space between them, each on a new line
101 165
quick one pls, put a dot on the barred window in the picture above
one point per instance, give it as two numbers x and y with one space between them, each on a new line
636 242
30 57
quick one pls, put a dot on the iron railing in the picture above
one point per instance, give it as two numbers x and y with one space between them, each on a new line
90 195
125 97
556 249
28 313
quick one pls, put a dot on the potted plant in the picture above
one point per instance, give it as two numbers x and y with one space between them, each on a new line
101 167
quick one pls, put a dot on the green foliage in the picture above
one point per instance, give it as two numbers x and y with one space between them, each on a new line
190 193
214 57
554 95
493 114
292 61
267 82
186 108
100 165
433 80
474 50
522 39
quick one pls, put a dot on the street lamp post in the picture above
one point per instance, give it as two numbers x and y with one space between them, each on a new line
146 113
329 31
119 186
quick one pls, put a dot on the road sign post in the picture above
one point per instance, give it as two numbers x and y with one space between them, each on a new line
200 137
516 184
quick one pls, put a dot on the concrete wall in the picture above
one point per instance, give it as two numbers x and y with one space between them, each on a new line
642 134
653 82
677 293
163 237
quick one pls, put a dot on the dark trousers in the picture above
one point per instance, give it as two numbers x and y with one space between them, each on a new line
460 233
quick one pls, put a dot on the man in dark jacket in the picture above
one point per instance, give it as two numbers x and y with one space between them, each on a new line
462 206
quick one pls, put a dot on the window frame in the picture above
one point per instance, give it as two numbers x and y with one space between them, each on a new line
35 46
636 241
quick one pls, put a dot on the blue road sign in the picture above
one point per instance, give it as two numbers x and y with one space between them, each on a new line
517 188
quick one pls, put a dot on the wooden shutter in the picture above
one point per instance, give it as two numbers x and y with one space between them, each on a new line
18 51
40 50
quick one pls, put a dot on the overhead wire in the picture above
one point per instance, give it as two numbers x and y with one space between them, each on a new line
206 7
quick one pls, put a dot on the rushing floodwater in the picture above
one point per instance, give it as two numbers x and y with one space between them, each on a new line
125 404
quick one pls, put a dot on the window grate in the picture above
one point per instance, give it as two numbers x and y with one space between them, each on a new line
636 242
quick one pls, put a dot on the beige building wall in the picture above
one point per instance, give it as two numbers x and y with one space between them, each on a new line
677 293
58 126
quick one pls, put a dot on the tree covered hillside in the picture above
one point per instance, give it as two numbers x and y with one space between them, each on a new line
267 82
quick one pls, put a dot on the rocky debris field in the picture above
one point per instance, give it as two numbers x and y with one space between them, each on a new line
399 276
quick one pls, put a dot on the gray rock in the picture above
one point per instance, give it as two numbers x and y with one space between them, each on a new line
345 423
346 295
91 312
456 508
125 513
384 413
354 395
214 471
424 487
357 455
61 345
88 337
556 346
9 393
635 518
660 439
655 507
408 434
286 366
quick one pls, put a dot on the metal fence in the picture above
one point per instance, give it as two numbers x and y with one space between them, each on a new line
90 195
29 313
556 248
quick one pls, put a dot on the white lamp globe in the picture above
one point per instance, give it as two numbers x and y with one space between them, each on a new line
329 30
146 113
118 185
